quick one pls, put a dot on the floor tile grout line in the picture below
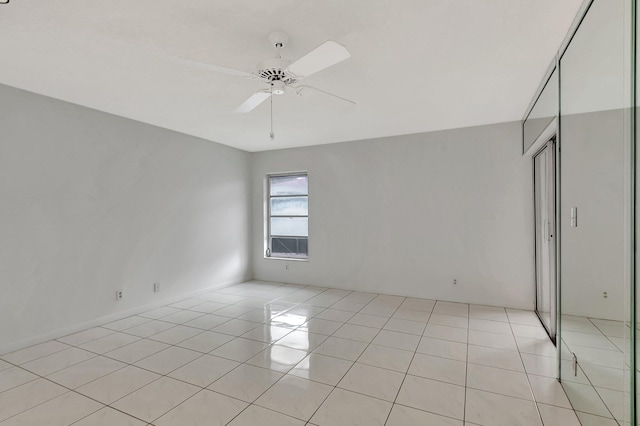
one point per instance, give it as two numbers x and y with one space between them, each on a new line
466 373
533 395
35 359
40 403
617 351
408 367
36 377
187 399
89 414
427 411
602 334
597 393
102 408
110 405
58 339
599 416
250 404
169 345
353 362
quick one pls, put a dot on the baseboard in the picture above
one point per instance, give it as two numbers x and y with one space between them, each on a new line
14 346
386 293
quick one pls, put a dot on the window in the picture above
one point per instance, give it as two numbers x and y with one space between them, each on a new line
288 216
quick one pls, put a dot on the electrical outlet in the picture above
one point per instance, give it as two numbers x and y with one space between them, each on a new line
286 266
455 281
156 287
119 295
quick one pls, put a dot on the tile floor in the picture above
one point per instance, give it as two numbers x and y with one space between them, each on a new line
274 354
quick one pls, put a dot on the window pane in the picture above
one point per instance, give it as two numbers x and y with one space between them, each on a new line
293 247
289 185
289 206
290 226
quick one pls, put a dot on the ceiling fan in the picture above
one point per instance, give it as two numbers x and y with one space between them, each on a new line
280 74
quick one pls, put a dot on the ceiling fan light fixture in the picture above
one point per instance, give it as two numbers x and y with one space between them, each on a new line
277 87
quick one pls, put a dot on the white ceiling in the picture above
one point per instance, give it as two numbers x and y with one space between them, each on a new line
416 65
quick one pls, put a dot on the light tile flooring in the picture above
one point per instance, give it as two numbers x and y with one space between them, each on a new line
599 391
274 354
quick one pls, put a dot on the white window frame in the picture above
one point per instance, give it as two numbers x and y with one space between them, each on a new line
268 216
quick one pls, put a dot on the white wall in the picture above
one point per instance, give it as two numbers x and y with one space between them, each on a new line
91 203
406 215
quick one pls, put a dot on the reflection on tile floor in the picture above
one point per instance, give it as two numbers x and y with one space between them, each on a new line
598 389
275 354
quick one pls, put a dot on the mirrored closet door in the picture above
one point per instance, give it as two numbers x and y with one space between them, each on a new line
594 141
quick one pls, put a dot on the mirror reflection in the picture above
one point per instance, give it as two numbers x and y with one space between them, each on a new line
595 301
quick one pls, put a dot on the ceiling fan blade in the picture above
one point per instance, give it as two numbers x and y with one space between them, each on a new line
253 101
300 90
327 54
215 68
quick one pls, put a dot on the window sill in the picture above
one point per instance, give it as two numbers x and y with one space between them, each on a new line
295 259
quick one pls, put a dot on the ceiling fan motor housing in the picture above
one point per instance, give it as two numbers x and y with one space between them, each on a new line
274 69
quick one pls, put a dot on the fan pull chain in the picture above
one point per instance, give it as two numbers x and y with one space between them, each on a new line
272 136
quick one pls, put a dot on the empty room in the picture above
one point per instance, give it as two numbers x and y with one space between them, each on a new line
318 212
